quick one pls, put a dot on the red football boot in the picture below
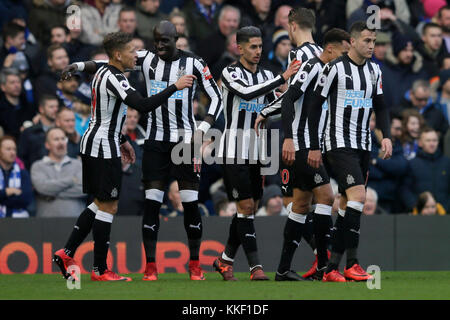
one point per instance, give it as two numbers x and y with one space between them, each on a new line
356 273
63 261
195 272
225 269
108 275
150 273
333 276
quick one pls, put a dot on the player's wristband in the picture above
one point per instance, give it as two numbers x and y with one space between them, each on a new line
80 66
204 126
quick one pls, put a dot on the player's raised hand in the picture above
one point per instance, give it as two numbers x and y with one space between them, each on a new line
386 147
292 69
314 158
260 120
185 81
288 152
127 152
67 72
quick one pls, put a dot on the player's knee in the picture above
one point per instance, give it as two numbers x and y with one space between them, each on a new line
187 185
159 185
301 207
108 206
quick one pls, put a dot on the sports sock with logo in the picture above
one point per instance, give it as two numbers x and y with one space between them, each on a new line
337 242
308 231
247 236
193 227
81 229
352 222
233 241
322 224
101 230
293 229
150 228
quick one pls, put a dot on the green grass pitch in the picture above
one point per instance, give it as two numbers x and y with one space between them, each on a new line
172 286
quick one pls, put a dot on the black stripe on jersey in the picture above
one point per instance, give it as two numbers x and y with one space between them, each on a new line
178 102
361 111
374 93
96 86
112 125
347 109
165 109
152 68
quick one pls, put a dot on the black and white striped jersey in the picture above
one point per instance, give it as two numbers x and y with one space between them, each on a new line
350 90
303 53
109 89
245 94
167 124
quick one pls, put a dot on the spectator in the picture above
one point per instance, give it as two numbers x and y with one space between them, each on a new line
431 7
174 207
148 16
57 180
11 54
98 18
201 18
178 19
15 184
281 17
11 9
429 171
443 94
32 142
230 55
382 45
371 204
427 205
65 120
65 90
59 35
272 202
419 98
443 19
183 43
14 108
76 50
431 48
260 15
412 125
214 45
127 21
46 14
402 66
57 60
357 10
133 130
226 208
278 58
385 175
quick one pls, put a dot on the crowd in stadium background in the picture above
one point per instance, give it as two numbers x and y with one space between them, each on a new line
41 37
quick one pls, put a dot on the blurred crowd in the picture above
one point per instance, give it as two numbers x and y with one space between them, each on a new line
42 118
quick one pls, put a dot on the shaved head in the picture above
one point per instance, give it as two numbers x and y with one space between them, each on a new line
166 28
166 36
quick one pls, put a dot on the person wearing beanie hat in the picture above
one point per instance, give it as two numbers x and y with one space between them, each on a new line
402 66
278 57
272 202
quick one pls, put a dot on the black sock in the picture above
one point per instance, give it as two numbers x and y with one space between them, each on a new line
233 241
150 227
352 224
337 244
193 227
80 231
308 231
247 236
101 231
293 231
322 224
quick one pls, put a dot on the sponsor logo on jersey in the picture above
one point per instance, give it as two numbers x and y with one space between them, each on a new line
157 86
355 99
251 106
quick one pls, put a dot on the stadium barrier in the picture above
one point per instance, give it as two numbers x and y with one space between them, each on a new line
393 242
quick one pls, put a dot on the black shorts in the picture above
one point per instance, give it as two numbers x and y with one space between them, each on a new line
102 178
157 164
350 167
305 177
243 181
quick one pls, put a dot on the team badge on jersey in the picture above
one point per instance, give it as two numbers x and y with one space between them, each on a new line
373 78
181 72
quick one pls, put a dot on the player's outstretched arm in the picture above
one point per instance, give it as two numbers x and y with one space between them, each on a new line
145 105
87 66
